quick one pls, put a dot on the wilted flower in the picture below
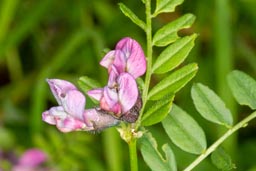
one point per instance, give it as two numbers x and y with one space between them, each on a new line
70 115
128 56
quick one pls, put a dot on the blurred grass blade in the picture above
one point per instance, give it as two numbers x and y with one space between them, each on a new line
158 111
7 11
210 105
243 88
166 6
174 82
174 55
86 83
222 160
112 155
23 28
40 90
154 158
184 131
169 32
127 12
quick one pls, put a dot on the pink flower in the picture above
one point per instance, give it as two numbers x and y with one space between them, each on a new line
128 56
119 96
33 157
30 160
70 115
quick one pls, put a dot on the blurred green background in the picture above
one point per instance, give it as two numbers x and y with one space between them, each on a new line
66 39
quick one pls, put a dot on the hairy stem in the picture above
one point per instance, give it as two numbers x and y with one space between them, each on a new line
208 151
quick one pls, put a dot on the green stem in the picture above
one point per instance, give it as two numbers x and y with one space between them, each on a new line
148 30
133 154
149 58
208 151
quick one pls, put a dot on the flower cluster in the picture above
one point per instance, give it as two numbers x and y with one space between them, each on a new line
118 100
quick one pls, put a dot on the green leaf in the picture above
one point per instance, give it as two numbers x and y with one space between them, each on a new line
210 106
243 88
158 111
127 12
222 160
168 33
174 55
86 83
184 131
154 158
174 82
166 6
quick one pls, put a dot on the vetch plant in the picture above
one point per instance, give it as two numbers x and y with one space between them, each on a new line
131 104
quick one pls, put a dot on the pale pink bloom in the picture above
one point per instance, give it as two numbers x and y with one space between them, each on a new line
128 56
68 116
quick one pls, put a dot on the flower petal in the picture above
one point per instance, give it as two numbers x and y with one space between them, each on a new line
90 117
59 88
51 115
109 100
74 103
108 59
136 61
128 91
119 61
136 64
69 124
96 93
113 74
48 118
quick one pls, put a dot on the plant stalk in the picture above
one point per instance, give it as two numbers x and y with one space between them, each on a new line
149 58
133 154
208 151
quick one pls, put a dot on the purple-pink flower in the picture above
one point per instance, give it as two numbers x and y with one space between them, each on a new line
124 64
128 56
